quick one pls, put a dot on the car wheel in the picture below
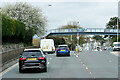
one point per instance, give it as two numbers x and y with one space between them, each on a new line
68 54
20 70
45 69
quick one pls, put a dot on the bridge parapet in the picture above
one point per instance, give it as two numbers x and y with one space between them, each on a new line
90 30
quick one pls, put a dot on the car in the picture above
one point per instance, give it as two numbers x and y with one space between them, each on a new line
31 59
116 46
63 50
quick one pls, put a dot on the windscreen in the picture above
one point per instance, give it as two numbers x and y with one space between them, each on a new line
116 44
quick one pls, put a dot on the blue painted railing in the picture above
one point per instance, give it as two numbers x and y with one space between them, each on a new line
83 30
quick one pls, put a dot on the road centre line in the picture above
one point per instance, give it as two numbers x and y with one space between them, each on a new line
85 67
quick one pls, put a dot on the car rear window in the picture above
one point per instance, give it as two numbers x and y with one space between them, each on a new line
63 47
32 53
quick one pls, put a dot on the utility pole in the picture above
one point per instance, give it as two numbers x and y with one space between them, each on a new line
71 42
118 30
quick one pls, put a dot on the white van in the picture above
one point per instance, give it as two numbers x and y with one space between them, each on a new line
47 45
116 46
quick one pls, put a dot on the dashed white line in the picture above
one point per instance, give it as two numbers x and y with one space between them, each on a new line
50 58
90 73
48 63
86 68
83 64
76 55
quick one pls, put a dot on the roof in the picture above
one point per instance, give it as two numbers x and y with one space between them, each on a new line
62 45
116 42
32 49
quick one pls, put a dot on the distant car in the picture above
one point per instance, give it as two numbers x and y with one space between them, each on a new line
63 50
116 46
32 58
104 48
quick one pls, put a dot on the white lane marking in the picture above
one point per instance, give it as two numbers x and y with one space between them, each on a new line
48 63
83 64
5 71
50 58
76 55
90 73
86 67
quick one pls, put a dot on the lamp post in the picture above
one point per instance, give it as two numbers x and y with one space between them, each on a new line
77 37
118 29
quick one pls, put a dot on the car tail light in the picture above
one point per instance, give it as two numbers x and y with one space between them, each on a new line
41 58
57 48
22 59
51 47
67 48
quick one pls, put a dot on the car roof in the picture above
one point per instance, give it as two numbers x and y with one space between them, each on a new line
32 49
62 45
116 42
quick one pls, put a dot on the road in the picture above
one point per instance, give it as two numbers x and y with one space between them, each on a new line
86 64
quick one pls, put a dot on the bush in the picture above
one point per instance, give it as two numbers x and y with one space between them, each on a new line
13 31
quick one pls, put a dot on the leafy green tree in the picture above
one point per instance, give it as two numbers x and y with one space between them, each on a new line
13 31
73 43
112 24
98 38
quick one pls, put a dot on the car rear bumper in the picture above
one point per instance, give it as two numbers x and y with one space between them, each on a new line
61 53
33 65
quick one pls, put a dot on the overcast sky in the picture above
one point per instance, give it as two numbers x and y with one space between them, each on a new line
88 14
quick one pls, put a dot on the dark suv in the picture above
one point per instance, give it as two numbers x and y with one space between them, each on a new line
32 58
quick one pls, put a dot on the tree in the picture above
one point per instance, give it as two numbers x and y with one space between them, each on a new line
13 31
98 38
71 24
112 24
73 43
29 15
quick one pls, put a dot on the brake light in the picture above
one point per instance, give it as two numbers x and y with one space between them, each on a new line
57 48
67 48
41 58
22 59
51 47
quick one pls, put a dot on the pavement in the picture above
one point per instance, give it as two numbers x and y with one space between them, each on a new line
85 64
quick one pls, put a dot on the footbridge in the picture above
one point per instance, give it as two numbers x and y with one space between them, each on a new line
87 31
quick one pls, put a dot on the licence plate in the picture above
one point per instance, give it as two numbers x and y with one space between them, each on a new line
32 59
62 50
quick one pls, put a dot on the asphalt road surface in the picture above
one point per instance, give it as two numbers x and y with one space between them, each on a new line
85 64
